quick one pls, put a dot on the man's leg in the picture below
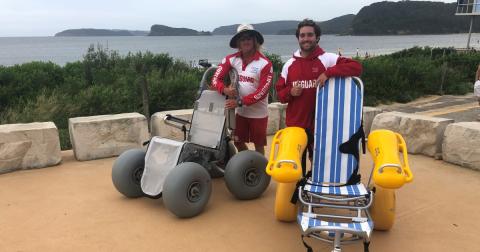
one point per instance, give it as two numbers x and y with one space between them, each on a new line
260 149
240 135
241 146
258 133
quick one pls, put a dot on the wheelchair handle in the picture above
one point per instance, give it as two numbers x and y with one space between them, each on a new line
402 146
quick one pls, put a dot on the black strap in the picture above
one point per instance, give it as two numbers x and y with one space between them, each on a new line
302 182
184 129
351 147
309 249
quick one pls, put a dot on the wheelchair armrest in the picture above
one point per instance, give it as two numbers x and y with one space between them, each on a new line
175 121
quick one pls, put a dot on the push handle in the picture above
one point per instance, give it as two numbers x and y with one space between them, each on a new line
402 146
271 161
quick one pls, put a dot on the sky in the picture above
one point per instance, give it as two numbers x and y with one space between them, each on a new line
45 18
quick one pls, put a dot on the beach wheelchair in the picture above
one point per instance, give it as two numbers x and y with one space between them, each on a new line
334 205
180 172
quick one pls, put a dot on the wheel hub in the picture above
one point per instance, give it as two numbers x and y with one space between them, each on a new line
137 175
252 177
194 192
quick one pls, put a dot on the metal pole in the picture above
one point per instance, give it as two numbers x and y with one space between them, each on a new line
470 32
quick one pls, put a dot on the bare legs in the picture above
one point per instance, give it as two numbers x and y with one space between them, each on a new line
241 146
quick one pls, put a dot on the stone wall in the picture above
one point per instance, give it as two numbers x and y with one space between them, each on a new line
423 134
461 144
105 136
26 146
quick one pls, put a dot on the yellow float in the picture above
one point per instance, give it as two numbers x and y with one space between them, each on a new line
285 167
388 174
286 152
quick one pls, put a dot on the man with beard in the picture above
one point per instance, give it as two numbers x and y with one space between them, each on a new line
309 67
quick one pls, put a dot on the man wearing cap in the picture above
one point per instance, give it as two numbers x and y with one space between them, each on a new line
309 67
254 80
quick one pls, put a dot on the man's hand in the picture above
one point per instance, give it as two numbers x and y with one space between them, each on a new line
296 91
231 104
321 80
230 91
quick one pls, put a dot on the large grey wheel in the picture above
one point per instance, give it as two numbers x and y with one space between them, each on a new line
245 175
219 170
187 189
127 172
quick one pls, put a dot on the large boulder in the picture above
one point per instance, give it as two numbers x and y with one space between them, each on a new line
160 128
27 146
369 114
423 134
461 144
274 118
283 111
103 136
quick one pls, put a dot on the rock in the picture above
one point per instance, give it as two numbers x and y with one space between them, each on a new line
283 113
159 128
27 146
461 144
422 134
274 118
368 114
105 136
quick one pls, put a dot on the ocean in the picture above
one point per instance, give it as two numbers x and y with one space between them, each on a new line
61 50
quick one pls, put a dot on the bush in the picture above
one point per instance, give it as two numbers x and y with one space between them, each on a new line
406 75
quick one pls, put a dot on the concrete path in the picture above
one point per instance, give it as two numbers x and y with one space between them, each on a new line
464 108
74 207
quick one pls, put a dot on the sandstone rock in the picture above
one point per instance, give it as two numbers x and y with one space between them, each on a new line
274 118
26 146
283 111
105 136
159 128
423 134
461 144
368 114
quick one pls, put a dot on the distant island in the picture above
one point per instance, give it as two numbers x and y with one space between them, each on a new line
338 25
99 32
410 17
163 30
381 18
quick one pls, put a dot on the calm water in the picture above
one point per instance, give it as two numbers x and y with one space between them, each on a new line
16 50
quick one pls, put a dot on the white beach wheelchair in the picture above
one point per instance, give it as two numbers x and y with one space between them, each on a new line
181 172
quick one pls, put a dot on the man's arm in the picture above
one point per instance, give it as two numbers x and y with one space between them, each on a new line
264 84
282 87
219 76
344 67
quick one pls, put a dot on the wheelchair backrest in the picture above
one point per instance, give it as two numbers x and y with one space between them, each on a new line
208 120
338 117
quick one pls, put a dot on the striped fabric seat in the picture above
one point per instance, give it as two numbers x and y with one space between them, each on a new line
338 125
349 190
307 223
338 117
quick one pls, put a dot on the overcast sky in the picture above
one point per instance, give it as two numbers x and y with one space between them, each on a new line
45 18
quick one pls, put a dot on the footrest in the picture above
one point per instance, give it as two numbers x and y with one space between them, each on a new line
310 225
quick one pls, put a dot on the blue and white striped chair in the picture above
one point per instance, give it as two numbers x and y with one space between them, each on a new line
334 202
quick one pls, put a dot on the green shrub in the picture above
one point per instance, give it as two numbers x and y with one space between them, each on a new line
105 82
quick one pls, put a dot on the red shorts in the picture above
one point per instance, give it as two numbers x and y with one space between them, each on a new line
251 130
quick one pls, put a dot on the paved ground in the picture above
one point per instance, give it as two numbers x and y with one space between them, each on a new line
460 108
74 207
